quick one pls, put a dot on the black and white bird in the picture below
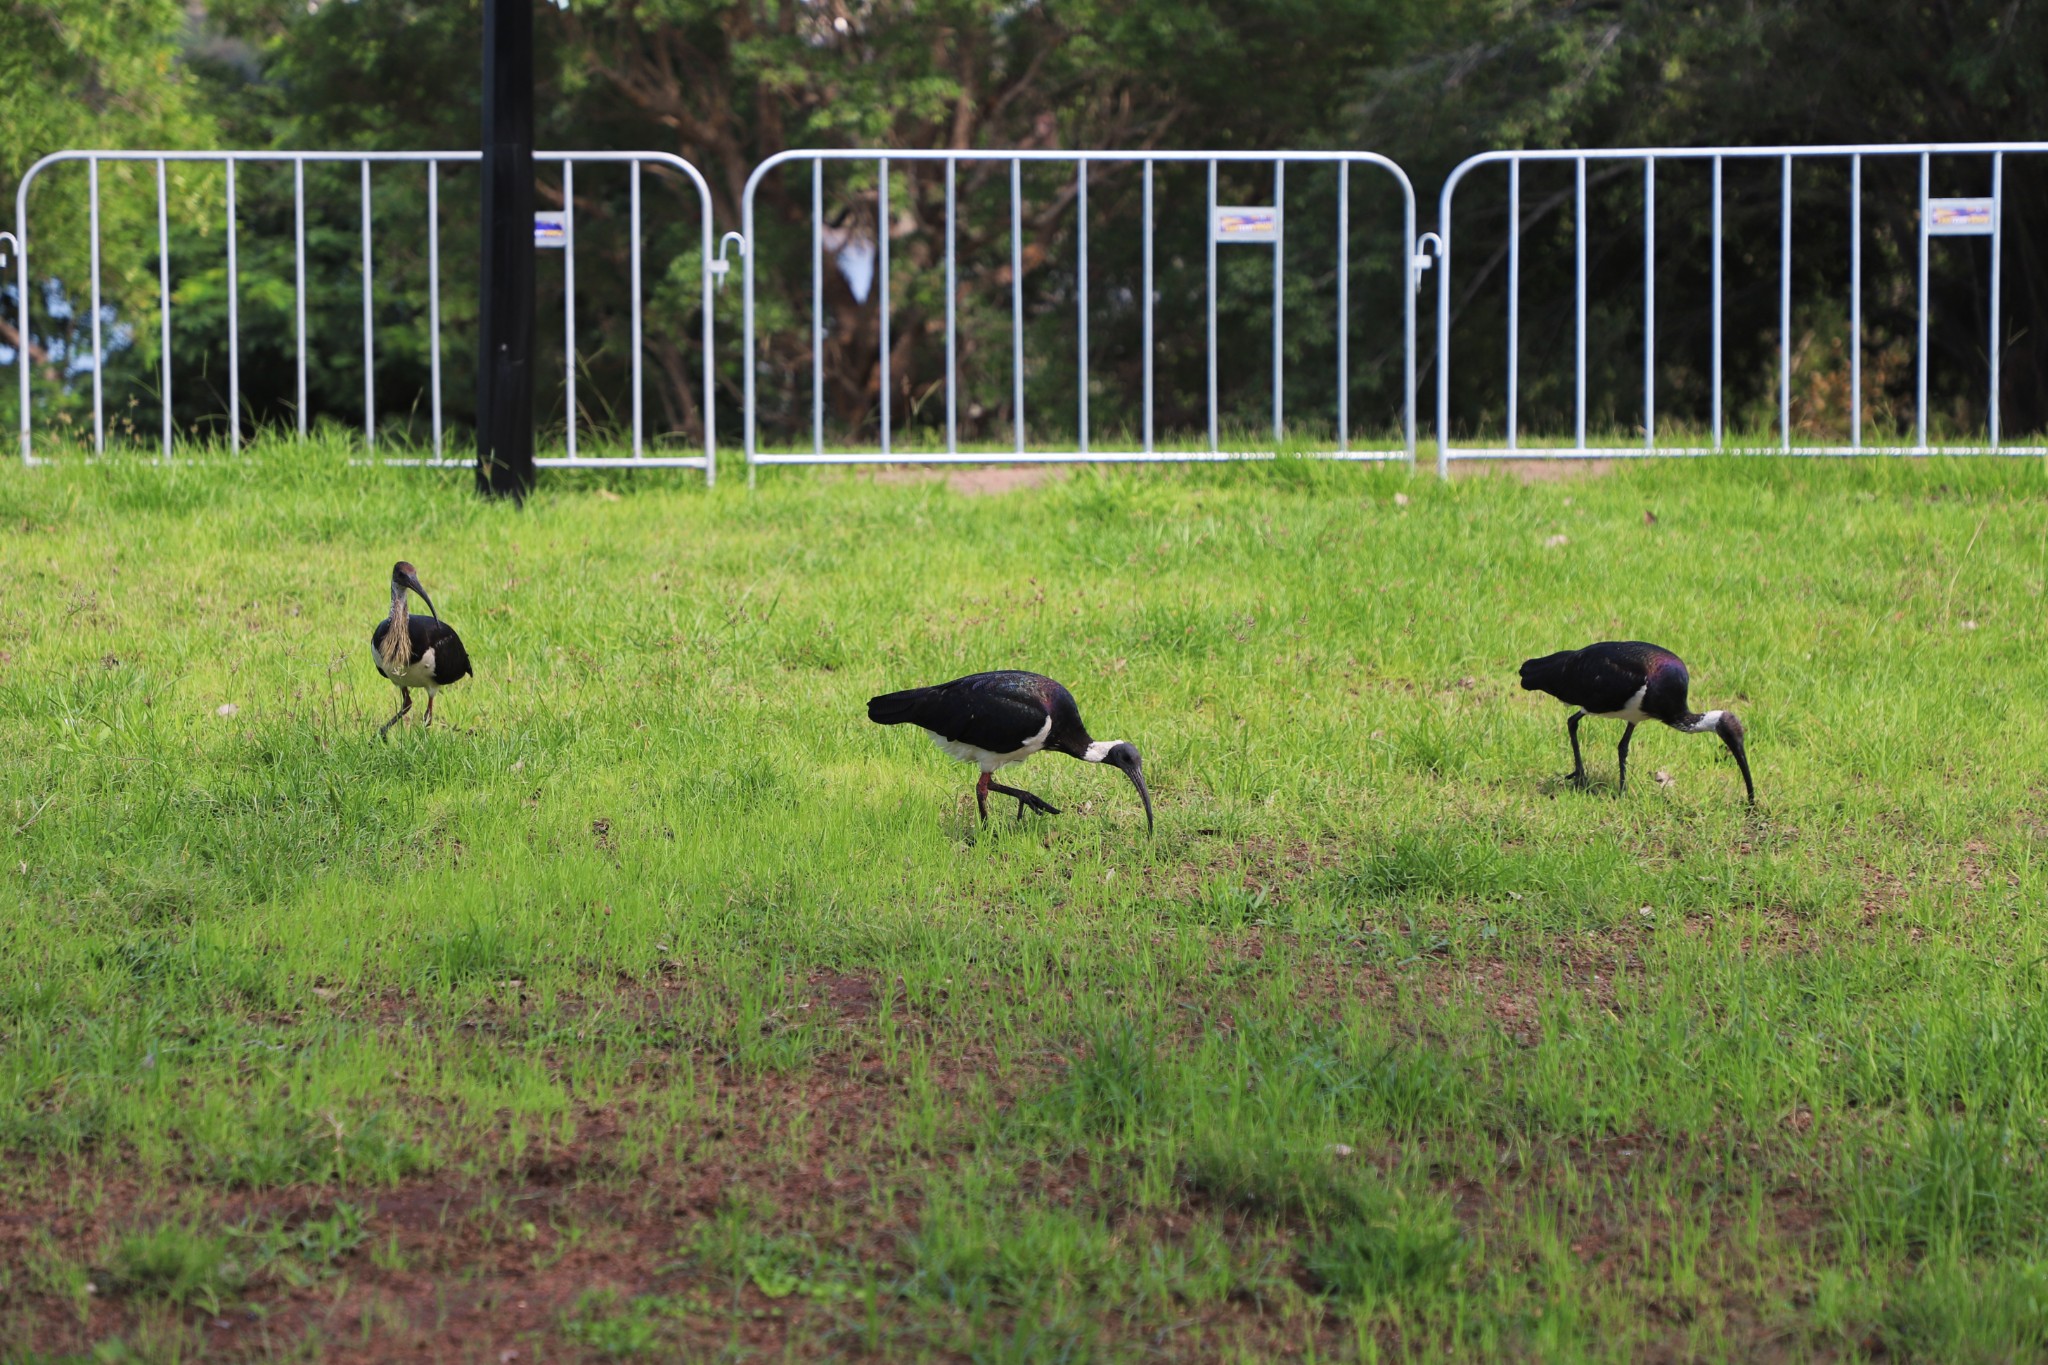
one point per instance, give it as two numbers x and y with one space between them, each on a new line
415 651
996 719
1630 681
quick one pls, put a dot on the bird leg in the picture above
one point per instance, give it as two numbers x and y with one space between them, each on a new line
405 706
1024 798
1621 756
981 797
1577 776
430 712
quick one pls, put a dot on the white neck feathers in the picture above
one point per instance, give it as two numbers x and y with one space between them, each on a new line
1707 722
1099 750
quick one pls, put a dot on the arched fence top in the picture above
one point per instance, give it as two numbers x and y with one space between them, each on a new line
1084 447
1851 155
567 160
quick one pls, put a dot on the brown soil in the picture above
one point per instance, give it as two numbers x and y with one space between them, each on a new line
1533 470
489 1258
972 481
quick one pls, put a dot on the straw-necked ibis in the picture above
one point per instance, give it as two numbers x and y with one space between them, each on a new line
996 719
1630 681
415 651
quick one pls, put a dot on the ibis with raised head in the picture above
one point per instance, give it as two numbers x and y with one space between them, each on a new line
996 719
1628 680
415 651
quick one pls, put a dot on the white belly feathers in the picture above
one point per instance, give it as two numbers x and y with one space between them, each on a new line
1631 710
418 673
988 761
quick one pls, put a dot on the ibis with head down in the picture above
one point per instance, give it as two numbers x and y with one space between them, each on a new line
1628 680
996 719
415 651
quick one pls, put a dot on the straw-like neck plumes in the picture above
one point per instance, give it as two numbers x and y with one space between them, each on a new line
397 649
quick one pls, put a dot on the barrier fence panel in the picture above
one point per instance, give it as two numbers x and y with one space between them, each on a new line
901 317
1927 191
577 356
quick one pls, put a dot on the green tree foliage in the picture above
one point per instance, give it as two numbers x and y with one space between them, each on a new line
84 74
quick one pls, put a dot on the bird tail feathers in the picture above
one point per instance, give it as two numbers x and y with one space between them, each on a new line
897 708
1540 675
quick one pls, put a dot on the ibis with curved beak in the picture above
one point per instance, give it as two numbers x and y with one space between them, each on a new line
996 719
1628 680
415 651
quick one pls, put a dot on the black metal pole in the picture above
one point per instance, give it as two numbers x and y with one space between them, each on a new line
504 410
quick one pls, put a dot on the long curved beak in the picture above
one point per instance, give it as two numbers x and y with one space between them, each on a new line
415 586
1734 743
1137 780
1129 762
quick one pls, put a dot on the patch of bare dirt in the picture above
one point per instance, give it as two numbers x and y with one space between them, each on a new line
487 1264
972 481
1533 470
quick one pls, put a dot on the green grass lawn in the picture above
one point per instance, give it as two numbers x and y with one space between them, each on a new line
660 1005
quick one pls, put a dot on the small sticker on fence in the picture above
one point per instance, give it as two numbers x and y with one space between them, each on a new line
1959 217
1255 224
551 228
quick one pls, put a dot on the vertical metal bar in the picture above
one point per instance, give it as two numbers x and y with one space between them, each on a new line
882 247
1856 302
639 395
299 282
234 324
1649 303
369 344
569 297
709 315
1514 299
747 321
1344 306
952 306
1785 304
1017 296
1279 255
21 334
1081 273
1209 232
1920 362
163 294
818 306
1148 307
433 295
1997 241
1717 303
1411 285
1412 281
1579 314
99 413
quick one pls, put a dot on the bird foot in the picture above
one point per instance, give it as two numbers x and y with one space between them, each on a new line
1579 779
1025 798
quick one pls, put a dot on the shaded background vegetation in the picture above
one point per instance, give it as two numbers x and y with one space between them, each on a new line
727 85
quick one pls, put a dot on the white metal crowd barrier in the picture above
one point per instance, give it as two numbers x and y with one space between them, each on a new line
1980 214
1254 228
1936 216
432 161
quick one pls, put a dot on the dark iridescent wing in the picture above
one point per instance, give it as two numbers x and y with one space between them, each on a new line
1605 676
998 712
451 660
1668 684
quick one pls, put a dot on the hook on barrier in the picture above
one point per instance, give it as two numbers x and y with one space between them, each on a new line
1425 257
721 267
